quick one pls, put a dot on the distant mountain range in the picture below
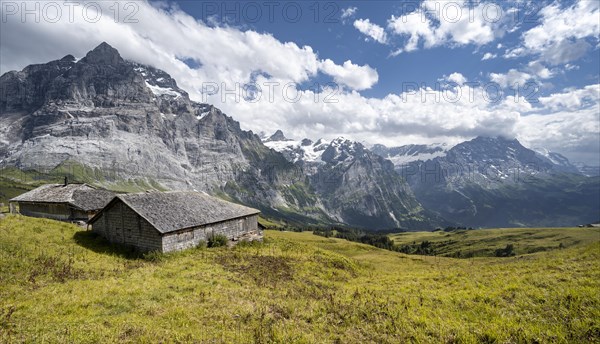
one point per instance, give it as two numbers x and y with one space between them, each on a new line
128 126
485 182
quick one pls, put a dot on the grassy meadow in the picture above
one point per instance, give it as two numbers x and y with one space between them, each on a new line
61 284
484 242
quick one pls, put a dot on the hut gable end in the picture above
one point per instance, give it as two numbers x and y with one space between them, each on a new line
118 223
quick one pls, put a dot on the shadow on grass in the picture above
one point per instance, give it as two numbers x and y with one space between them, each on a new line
98 244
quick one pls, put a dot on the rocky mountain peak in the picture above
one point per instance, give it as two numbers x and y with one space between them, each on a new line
342 149
501 150
496 181
68 58
278 136
484 149
103 54
306 142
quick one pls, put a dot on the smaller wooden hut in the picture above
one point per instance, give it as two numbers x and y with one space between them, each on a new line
64 202
172 221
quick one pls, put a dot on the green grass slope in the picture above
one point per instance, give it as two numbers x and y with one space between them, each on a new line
10 189
59 283
484 242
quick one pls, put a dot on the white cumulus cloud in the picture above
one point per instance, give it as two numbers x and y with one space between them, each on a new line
348 12
457 78
488 56
573 99
561 35
373 31
454 23
351 75
513 78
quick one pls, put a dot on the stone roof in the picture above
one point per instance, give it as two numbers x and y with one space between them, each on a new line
82 196
92 199
176 210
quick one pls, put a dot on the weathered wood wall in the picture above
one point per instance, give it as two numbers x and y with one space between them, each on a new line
55 211
120 224
232 229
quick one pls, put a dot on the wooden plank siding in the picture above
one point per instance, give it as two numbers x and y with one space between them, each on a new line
55 211
189 238
120 224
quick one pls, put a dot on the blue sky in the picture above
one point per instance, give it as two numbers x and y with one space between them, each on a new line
403 71
321 26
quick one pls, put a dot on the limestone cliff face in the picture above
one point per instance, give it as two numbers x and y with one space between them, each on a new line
131 122
122 117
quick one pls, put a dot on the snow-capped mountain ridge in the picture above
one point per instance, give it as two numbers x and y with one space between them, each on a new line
403 155
349 173
319 152
500 154
499 182
303 150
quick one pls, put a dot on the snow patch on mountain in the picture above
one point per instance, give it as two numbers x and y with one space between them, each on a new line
406 154
405 159
556 158
141 70
202 115
587 170
304 150
161 91
394 219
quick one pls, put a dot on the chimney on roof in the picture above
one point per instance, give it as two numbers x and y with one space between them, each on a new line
66 181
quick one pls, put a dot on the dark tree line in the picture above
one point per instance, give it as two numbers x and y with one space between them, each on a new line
377 239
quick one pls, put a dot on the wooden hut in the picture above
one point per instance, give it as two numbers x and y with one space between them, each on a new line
64 202
172 221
